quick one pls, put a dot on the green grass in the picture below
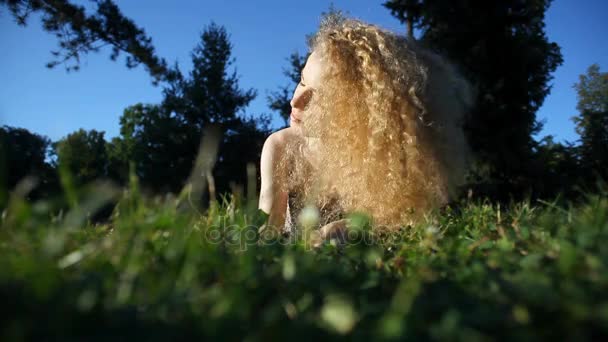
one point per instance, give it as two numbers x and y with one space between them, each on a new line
159 271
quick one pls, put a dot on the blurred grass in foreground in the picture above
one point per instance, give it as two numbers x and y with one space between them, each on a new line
159 270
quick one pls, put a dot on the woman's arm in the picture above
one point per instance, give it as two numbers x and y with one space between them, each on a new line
273 197
336 230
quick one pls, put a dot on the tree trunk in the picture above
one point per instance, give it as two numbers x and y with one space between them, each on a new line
410 28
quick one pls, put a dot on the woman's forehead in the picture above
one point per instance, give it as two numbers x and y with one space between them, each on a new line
312 69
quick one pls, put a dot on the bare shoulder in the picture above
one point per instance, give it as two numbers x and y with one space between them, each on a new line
279 139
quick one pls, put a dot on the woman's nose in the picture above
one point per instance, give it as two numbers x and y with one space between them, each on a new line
300 98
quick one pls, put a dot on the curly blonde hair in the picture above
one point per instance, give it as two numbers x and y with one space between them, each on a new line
388 116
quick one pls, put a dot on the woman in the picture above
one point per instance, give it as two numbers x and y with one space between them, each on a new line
375 127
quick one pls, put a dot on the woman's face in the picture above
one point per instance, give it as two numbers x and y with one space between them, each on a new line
310 80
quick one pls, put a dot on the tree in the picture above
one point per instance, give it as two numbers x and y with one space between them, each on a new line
25 154
158 143
592 91
83 154
279 101
555 170
500 46
211 93
118 161
163 140
592 122
408 12
80 33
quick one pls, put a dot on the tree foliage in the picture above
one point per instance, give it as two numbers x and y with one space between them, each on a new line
500 46
556 170
159 144
592 122
160 141
210 93
24 154
163 140
592 91
83 155
80 33
408 12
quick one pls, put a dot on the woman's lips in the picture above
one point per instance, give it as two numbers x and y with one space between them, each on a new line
294 118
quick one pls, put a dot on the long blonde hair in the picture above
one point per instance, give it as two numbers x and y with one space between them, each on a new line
388 116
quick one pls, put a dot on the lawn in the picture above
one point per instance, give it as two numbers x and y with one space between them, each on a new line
159 270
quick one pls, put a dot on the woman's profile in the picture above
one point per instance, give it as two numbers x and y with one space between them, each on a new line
376 126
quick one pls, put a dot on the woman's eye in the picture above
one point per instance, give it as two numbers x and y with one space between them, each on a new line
302 84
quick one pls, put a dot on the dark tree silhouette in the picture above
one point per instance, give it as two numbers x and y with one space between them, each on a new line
500 46
24 154
555 170
163 140
158 143
592 122
211 95
83 155
408 12
80 33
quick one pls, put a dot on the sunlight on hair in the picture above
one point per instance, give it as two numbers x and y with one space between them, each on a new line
389 118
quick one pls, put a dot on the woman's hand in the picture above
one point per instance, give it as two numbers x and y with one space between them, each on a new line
336 230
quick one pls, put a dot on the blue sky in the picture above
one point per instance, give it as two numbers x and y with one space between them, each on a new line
264 32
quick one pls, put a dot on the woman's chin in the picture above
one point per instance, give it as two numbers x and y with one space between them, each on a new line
295 124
